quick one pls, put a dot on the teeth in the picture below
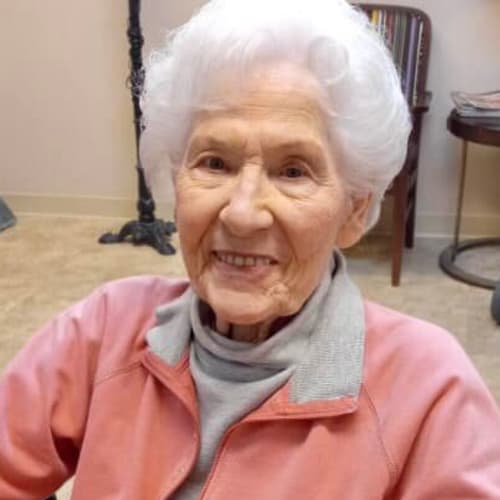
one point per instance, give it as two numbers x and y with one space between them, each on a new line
263 261
240 261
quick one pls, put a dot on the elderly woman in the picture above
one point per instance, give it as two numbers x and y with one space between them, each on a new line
266 376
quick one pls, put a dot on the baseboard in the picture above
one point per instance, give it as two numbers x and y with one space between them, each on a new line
24 204
471 226
427 224
431 225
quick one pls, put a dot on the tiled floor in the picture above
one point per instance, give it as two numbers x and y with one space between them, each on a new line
46 263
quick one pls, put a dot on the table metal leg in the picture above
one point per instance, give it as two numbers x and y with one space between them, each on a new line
481 132
495 303
448 255
461 189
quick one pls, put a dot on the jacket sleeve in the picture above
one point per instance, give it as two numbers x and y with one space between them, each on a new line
456 451
44 398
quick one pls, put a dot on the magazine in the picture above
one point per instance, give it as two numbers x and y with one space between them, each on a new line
481 105
485 100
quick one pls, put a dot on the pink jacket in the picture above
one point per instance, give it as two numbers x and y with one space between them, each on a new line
86 397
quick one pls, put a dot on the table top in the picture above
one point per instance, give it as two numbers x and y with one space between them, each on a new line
482 131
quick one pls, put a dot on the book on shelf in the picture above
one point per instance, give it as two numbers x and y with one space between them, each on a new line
477 105
402 33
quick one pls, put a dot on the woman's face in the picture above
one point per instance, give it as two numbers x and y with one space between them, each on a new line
259 202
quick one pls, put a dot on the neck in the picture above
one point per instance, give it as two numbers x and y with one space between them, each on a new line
254 334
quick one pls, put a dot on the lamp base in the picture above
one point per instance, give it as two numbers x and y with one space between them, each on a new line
156 234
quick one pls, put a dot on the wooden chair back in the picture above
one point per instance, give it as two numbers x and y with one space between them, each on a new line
407 34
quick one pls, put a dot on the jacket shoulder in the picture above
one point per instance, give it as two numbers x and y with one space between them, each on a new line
127 309
418 378
395 337
410 356
148 289
410 359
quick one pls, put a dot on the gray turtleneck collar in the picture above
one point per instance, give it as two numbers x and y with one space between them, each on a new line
332 365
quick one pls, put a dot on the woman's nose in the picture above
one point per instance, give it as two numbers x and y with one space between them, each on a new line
246 210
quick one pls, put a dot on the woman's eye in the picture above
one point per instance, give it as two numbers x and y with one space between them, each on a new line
214 163
293 172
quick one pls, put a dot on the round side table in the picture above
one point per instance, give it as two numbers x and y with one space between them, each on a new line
480 131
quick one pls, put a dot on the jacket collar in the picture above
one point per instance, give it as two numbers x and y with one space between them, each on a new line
326 381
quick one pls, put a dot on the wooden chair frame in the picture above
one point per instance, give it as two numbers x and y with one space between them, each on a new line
404 186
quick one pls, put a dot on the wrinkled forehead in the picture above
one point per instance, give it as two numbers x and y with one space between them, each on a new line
282 94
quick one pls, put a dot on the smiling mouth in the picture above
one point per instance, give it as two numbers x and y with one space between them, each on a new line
242 260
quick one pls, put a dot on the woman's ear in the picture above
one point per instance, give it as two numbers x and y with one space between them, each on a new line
355 224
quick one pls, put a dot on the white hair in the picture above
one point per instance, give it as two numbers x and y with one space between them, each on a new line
365 110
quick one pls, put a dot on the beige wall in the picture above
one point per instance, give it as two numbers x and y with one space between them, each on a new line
66 133
66 128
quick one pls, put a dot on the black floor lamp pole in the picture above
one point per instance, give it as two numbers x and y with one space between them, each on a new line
147 229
